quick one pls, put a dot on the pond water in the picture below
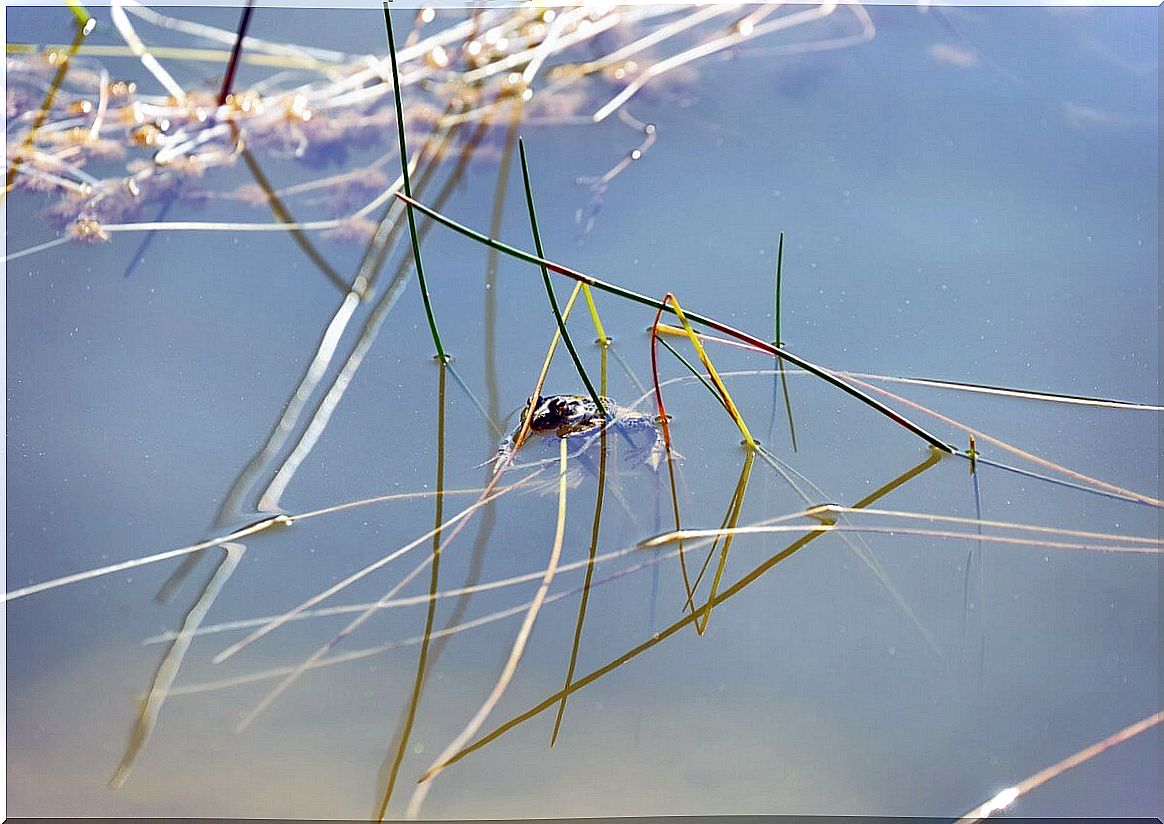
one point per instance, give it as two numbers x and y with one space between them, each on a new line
970 194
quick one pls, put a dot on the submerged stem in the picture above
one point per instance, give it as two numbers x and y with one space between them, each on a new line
422 661
659 637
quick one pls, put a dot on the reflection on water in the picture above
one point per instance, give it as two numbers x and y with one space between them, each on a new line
212 318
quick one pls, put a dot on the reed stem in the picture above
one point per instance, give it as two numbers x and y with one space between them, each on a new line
235 53
778 340
432 325
79 12
628 294
533 221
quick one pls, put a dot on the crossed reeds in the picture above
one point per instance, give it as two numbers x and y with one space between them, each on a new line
831 518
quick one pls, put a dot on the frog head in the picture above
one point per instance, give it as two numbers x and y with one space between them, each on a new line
557 411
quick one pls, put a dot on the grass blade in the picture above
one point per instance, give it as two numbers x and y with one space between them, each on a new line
436 335
533 221
820 372
779 341
721 390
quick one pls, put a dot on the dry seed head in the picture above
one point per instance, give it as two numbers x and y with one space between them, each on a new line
146 136
77 136
298 109
621 71
104 148
192 165
187 165
438 58
198 106
132 114
476 55
245 102
515 86
566 70
32 182
121 88
87 230
78 107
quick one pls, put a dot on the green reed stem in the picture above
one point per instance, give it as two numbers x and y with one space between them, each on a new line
80 12
236 52
533 221
703 320
779 341
436 335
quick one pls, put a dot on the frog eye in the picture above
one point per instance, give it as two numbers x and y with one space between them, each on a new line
538 410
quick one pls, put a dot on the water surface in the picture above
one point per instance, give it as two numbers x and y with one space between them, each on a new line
971 195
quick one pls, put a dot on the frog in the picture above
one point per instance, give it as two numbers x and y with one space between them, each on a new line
578 419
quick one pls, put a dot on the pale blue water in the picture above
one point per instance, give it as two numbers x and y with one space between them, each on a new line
994 223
